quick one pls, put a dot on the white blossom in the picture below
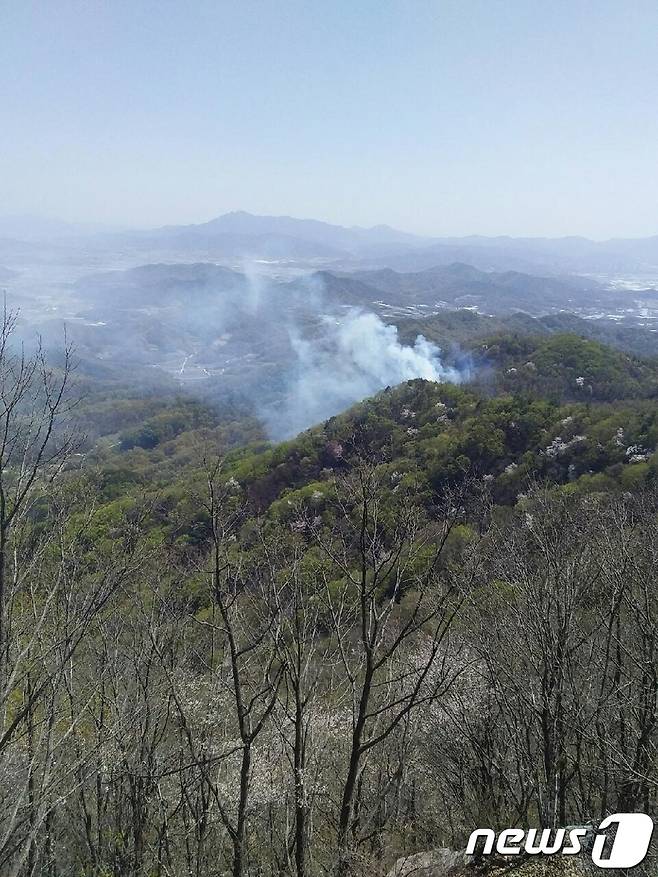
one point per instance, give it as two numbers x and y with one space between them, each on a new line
558 446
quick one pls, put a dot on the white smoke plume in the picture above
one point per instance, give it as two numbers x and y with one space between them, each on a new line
356 357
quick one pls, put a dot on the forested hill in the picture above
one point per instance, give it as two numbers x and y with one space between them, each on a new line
434 435
223 651
559 408
565 367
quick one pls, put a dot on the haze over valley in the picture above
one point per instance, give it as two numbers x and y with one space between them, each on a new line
278 311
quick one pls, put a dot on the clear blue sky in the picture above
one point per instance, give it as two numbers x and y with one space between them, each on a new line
437 116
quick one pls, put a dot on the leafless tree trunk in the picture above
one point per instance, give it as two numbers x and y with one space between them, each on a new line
391 616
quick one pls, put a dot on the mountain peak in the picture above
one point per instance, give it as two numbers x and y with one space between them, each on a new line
338 237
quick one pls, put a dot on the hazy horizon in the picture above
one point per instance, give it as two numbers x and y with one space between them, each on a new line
93 226
439 118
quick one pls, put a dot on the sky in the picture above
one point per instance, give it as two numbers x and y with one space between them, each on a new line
441 117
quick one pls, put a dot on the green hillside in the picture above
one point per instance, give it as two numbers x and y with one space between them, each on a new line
527 417
433 612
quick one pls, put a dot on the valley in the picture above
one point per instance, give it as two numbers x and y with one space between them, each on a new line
232 326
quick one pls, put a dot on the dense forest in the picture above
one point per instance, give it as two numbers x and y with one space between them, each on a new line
432 613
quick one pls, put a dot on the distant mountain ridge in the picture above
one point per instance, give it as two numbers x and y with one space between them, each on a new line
383 245
239 236
390 293
459 285
239 222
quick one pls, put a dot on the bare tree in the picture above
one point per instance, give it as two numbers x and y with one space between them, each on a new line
34 443
309 656
391 613
236 651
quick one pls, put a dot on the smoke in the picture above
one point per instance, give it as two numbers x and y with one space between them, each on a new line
292 347
353 357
